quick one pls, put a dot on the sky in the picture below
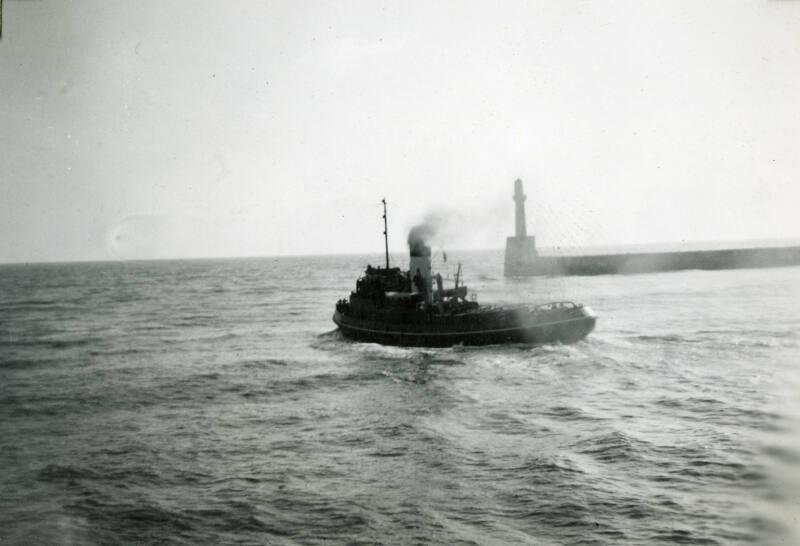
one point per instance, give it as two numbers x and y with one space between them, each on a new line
150 129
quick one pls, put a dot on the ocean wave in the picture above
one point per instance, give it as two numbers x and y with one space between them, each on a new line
783 454
29 363
57 472
264 363
663 338
569 413
613 447
34 343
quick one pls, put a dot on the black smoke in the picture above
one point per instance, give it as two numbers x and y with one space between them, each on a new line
481 226
418 239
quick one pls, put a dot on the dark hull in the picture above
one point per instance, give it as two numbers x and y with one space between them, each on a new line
522 260
557 328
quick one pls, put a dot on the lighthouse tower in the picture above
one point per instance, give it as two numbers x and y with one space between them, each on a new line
520 249
519 217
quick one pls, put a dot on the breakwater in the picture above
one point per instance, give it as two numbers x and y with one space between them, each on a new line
522 259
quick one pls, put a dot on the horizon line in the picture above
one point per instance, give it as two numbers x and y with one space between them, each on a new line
795 240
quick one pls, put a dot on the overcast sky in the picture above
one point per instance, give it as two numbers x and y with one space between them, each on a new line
151 129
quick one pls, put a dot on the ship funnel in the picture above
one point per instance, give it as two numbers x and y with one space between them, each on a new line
419 267
419 263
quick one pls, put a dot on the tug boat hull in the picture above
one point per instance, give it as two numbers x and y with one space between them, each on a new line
536 326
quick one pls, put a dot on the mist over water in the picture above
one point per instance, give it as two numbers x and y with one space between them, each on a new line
210 401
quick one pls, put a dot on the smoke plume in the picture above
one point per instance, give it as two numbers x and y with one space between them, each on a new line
418 239
479 227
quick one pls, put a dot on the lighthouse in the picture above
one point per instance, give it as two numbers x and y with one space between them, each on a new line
519 199
520 249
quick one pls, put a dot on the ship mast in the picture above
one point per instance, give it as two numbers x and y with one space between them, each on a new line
385 232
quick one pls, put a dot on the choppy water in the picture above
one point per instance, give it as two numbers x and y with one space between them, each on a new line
209 402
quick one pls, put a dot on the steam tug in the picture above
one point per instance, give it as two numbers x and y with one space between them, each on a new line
396 307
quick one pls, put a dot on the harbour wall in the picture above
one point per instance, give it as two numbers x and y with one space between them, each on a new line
522 259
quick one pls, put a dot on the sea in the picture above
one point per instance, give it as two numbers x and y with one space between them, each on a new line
213 402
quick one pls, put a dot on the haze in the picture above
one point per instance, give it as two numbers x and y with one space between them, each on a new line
188 129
